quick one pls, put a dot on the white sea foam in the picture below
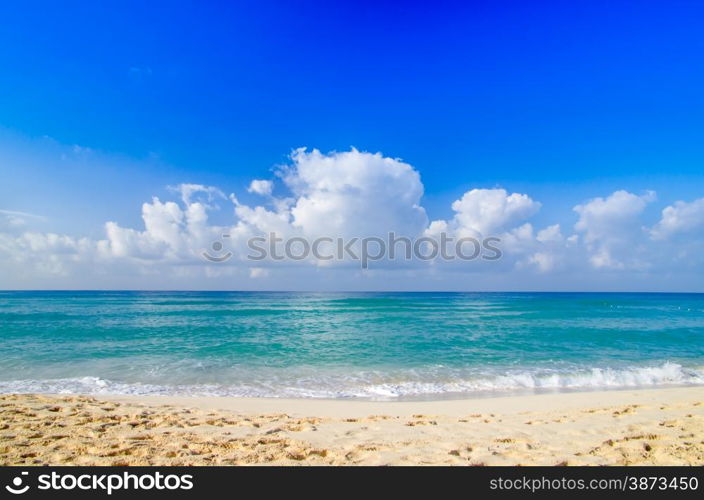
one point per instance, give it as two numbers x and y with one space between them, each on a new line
596 378
380 386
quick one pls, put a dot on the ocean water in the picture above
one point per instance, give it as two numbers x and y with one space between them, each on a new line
384 346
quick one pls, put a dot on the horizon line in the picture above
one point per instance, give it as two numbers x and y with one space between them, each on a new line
349 291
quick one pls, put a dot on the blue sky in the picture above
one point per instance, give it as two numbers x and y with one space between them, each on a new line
103 105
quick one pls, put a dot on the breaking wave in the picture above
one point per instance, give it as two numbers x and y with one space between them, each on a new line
380 386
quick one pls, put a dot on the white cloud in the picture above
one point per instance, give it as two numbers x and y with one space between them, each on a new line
45 253
488 211
171 232
204 194
11 220
544 261
602 217
261 187
550 234
258 272
611 228
682 217
482 213
355 194
550 249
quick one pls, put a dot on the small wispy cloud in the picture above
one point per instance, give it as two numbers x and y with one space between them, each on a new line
16 220
16 213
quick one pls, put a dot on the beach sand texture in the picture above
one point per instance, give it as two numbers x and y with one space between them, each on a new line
635 427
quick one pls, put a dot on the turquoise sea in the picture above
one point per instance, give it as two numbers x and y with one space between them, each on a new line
347 345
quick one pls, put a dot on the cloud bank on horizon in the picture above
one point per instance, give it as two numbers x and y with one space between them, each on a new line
355 193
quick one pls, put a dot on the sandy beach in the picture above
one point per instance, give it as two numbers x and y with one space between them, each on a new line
634 427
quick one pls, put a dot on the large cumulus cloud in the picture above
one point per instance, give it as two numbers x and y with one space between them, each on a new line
354 193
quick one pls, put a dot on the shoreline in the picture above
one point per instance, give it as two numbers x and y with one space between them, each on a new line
450 407
663 426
